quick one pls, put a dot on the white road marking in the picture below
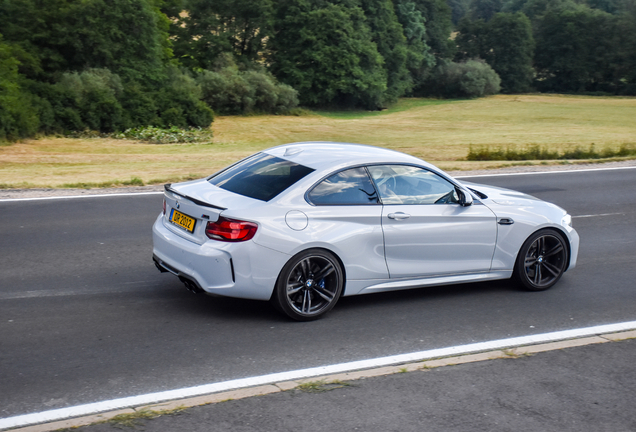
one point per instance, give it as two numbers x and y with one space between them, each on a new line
599 215
547 172
80 196
152 398
123 287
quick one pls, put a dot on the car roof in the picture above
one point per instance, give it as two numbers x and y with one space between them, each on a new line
322 155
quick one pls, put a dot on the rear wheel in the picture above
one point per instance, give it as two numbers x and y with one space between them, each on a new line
542 260
309 285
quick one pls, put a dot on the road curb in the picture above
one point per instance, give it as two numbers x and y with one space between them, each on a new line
260 390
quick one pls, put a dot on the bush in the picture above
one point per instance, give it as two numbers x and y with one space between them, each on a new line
139 106
470 79
540 153
179 102
89 99
231 91
166 136
96 99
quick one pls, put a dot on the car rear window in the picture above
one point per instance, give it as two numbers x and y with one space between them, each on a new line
261 176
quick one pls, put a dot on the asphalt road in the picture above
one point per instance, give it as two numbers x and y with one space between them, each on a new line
589 388
85 316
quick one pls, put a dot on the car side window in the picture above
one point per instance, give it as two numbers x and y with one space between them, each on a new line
403 184
349 187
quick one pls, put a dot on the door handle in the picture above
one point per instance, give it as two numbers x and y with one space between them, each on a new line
398 216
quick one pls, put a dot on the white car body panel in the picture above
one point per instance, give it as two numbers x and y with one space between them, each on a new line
529 215
437 245
434 240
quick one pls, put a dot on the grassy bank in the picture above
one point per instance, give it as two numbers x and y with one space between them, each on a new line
441 132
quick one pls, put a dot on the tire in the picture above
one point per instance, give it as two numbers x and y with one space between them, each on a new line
309 285
542 260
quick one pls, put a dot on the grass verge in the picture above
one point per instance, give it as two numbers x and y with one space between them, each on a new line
322 386
540 153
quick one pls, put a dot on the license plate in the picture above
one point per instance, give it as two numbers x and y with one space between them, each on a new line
184 221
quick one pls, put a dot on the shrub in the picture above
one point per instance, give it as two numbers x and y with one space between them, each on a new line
287 99
139 106
166 136
231 91
96 99
540 153
470 79
179 104
89 99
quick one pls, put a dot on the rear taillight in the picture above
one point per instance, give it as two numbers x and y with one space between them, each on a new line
164 206
230 230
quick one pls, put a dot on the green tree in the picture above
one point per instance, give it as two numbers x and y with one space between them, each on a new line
436 16
537 9
459 9
17 117
387 34
324 50
625 42
470 39
505 43
210 28
484 9
420 59
129 37
575 51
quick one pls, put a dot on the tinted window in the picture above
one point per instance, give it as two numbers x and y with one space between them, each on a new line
261 176
352 186
401 184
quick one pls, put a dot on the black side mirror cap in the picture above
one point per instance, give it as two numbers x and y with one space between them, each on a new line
465 199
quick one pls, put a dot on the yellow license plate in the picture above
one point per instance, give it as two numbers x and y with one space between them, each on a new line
184 221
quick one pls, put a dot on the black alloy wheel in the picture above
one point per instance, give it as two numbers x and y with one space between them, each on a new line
309 285
542 260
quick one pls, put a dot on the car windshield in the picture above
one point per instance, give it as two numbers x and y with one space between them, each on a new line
261 176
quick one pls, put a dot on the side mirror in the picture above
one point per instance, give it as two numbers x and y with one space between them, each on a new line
464 198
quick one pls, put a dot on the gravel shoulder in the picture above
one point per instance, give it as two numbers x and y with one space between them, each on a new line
41 193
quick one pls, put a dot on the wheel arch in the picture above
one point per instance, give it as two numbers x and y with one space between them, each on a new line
558 229
342 267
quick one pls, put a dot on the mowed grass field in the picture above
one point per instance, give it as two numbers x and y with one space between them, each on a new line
438 131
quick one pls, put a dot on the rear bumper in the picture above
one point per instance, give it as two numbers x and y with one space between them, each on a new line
190 283
243 270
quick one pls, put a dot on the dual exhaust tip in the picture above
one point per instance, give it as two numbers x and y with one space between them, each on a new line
189 283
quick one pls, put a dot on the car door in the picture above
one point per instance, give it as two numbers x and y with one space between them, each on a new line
426 231
347 214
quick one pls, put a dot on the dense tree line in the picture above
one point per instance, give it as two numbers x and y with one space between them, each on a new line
575 46
109 65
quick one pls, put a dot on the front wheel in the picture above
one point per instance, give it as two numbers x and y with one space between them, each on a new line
542 260
309 285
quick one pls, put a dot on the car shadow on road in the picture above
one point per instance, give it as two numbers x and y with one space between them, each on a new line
467 290
254 311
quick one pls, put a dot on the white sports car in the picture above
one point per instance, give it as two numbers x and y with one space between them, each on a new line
303 224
